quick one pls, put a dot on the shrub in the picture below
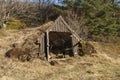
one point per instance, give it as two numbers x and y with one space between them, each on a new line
14 24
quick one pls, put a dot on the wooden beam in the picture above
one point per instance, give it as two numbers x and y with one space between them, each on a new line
62 59
73 32
47 35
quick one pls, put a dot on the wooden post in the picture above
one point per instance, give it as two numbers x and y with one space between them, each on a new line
47 45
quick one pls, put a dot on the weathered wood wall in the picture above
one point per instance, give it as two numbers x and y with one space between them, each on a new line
58 26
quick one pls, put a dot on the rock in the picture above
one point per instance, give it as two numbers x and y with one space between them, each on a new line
25 57
54 63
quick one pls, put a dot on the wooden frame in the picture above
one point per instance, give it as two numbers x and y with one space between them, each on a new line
59 25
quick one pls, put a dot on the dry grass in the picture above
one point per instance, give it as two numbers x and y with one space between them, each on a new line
89 67
104 65
2 33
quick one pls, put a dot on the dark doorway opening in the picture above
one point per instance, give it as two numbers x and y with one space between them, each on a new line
60 44
45 46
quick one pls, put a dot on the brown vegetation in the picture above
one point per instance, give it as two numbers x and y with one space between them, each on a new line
19 53
104 65
100 66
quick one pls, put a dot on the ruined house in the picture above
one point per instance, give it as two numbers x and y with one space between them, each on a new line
58 37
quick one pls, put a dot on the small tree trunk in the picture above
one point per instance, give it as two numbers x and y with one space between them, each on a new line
4 24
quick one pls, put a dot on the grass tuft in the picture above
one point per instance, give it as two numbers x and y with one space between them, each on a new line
14 25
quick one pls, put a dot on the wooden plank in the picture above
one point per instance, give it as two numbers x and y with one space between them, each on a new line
43 44
62 59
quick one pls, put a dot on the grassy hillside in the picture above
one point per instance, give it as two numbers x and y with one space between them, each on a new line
99 66
103 65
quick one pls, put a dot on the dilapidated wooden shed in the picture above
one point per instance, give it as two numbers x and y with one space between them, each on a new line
59 36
